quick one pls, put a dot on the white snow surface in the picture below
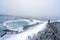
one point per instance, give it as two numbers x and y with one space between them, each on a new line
30 32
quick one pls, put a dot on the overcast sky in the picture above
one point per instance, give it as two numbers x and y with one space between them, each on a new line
30 7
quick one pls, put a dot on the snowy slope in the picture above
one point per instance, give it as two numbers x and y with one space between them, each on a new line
26 34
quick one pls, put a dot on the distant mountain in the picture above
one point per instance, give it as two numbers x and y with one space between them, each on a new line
4 18
52 18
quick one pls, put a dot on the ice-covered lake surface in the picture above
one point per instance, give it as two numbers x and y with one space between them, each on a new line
16 24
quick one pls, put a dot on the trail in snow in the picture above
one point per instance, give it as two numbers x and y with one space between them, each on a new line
30 32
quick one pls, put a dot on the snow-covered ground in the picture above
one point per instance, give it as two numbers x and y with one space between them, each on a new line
37 32
27 34
24 35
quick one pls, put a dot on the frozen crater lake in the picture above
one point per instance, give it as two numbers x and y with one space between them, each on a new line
18 25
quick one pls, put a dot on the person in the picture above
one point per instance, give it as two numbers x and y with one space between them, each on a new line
49 21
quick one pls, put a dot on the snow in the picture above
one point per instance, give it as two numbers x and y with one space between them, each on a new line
58 20
24 35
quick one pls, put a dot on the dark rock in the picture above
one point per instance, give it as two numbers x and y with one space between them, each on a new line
50 33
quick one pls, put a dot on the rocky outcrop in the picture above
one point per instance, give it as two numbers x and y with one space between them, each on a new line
50 33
